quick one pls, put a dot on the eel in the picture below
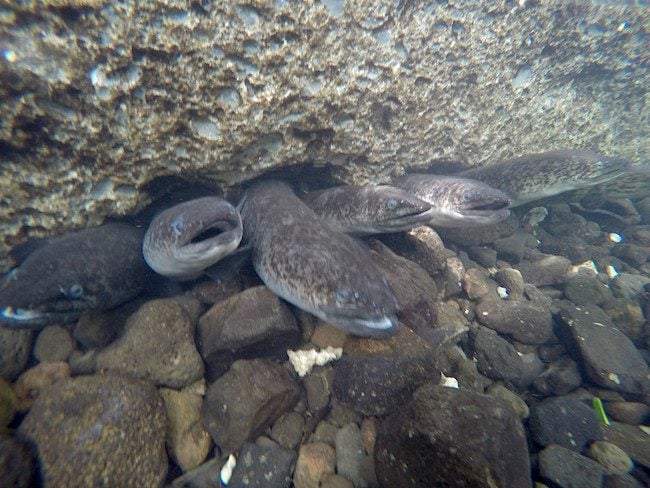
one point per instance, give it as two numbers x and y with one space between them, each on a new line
457 202
94 269
314 267
537 176
183 241
366 210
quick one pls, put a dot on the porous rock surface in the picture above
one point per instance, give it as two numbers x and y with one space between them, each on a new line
99 98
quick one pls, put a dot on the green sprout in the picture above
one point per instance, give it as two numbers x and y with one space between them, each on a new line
600 410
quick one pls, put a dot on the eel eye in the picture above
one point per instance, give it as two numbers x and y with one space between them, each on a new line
468 196
178 227
343 296
76 291
391 204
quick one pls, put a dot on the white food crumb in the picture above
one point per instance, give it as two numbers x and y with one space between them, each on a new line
304 361
502 292
226 471
614 377
448 381
614 237
611 272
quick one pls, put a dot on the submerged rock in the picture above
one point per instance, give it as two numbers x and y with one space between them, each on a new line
564 467
455 438
263 466
526 322
91 430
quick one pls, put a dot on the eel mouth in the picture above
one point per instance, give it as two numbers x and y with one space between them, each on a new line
25 318
413 219
212 239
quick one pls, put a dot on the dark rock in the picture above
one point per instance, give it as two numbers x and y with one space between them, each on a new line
631 413
17 464
97 329
53 343
336 481
498 390
525 321
287 430
249 324
560 378
326 335
211 291
376 377
582 289
621 215
631 253
157 345
634 441
611 457
564 421
263 467
566 468
454 438
477 283
485 256
499 360
317 385
414 289
325 432
15 347
545 270
608 356
315 462
627 317
638 234
512 280
350 453
82 363
512 248
208 475
246 400
627 285
423 246
454 276
90 429
457 365
573 247
484 234
622 481
341 414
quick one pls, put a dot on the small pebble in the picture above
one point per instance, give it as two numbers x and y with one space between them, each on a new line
53 343
611 457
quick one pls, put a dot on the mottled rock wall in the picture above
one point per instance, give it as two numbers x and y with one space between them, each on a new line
98 98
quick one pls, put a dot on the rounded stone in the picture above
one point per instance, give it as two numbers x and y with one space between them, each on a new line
99 430
611 457
53 343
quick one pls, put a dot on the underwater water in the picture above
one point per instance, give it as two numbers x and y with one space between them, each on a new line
303 244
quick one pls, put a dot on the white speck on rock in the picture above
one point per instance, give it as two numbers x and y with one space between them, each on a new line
226 471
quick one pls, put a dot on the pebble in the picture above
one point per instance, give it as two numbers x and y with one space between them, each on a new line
349 454
263 465
99 430
512 280
627 317
632 254
567 468
633 440
559 378
336 481
317 385
187 440
53 343
499 390
627 285
97 329
326 335
608 357
611 457
586 290
15 348
512 248
252 323
631 413
325 432
32 382
545 270
564 421
525 321
484 256
246 400
315 462
435 435
477 283
454 276
287 430
170 360
369 434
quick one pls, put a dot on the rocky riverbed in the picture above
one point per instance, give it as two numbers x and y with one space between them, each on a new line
164 389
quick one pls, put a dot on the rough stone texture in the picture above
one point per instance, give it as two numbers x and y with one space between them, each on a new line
608 356
566 468
157 345
564 421
350 453
634 441
250 324
246 400
545 269
526 322
376 377
560 378
96 430
15 346
454 438
611 457
100 99
263 466
315 461
16 463
32 382
53 343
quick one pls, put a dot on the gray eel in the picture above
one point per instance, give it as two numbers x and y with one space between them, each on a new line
184 240
314 267
537 176
365 210
457 202
93 269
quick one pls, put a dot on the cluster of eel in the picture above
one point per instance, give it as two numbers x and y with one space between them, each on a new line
306 250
